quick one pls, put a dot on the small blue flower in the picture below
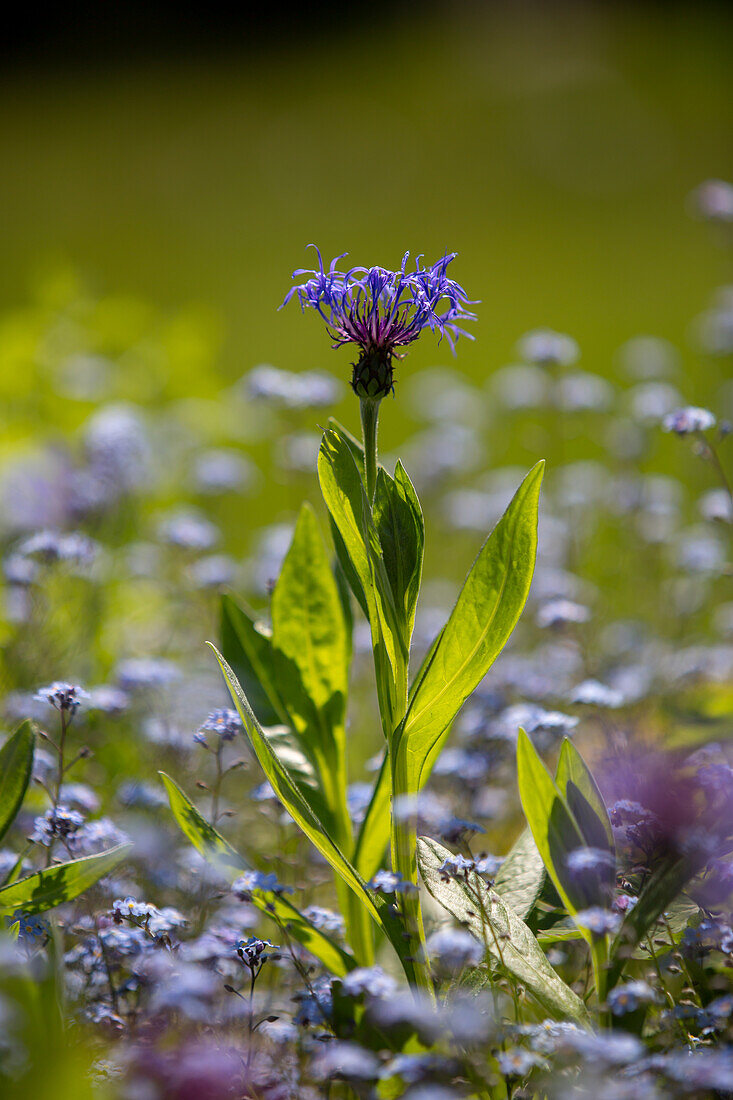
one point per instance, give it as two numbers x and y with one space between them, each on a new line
592 693
518 1062
587 860
370 980
688 420
389 882
31 927
53 546
324 919
223 721
62 696
598 921
139 673
453 949
381 310
629 996
544 348
60 823
255 952
250 881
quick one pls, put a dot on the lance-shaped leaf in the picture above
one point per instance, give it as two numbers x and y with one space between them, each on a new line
585 801
487 610
295 801
59 883
309 631
16 765
247 647
219 852
399 524
360 556
521 876
557 833
508 940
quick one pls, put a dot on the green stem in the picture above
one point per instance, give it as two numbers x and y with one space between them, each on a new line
369 417
404 863
599 956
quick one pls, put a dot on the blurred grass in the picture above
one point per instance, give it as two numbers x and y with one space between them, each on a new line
551 146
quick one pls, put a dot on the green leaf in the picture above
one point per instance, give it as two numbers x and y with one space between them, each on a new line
487 610
360 556
554 828
355 445
343 491
295 801
309 631
218 851
521 876
16 765
197 830
507 938
585 801
400 529
247 647
59 883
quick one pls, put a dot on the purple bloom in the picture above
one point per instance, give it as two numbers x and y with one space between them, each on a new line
381 310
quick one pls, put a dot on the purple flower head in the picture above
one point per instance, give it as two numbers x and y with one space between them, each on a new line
381 310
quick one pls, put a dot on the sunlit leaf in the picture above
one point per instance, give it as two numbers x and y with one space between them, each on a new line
218 851
487 610
521 876
508 940
16 766
59 883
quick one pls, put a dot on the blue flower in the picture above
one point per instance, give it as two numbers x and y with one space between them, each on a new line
255 952
223 721
688 420
389 882
62 696
324 919
598 921
454 949
59 823
629 996
250 881
518 1062
381 310
582 860
370 980
31 927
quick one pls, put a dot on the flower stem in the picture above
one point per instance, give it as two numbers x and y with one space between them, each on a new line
369 417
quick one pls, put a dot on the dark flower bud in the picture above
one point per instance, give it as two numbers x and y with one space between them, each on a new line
373 374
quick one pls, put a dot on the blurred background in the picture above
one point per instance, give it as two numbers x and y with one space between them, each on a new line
163 174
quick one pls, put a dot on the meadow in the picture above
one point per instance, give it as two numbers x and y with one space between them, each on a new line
445 808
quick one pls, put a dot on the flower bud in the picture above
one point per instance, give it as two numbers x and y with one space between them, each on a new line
373 374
